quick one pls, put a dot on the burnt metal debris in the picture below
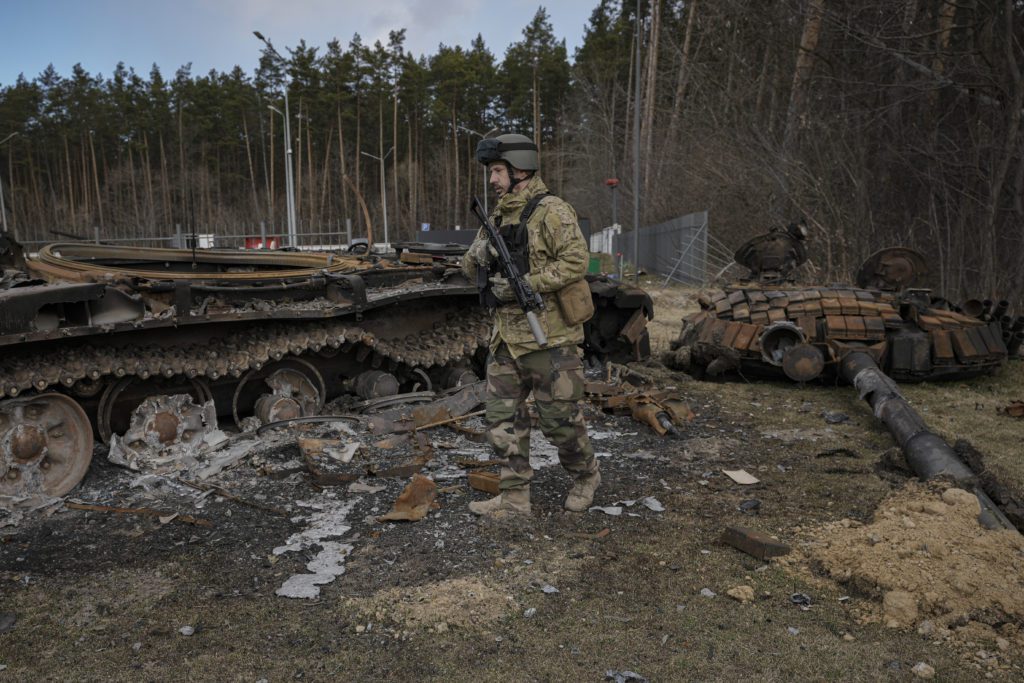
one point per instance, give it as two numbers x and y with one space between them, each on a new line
95 339
885 329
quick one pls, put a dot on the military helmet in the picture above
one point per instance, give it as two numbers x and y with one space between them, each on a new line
514 149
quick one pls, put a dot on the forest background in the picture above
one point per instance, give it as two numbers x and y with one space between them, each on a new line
880 122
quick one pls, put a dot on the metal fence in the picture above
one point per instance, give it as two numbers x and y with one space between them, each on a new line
676 249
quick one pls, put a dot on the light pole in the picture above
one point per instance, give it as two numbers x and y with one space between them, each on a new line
289 170
3 210
383 189
483 136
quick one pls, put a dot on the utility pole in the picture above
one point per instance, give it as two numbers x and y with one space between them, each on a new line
3 209
383 189
289 170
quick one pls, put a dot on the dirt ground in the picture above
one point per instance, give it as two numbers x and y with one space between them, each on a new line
885 573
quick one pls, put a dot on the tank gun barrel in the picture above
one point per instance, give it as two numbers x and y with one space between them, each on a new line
927 453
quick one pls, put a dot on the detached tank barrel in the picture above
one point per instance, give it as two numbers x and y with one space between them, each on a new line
926 452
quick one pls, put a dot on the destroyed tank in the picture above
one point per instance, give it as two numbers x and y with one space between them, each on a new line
767 325
885 329
152 345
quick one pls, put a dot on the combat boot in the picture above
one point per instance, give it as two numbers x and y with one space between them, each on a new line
514 501
581 495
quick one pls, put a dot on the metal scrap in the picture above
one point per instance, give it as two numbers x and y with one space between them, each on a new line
1014 409
410 418
414 502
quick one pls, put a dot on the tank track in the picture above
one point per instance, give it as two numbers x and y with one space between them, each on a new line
242 350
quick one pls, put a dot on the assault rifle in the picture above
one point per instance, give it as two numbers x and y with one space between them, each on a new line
529 300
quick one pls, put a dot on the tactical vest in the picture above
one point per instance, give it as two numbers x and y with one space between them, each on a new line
517 237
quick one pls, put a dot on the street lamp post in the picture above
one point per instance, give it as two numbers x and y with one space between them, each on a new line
3 209
383 189
483 136
289 170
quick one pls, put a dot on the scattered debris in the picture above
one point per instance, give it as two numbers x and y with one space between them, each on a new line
529 613
753 542
201 486
652 504
363 487
708 593
332 448
801 600
835 417
186 519
624 677
613 510
548 589
414 502
186 630
792 631
741 477
1014 409
750 506
408 418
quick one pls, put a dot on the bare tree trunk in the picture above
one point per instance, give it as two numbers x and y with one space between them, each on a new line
683 76
651 93
802 72
252 169
344 171
394 160
96 178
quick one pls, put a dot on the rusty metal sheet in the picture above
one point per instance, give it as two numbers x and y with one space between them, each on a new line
875 327
835 326
963 346
745 336
407 418
731 332
634 327
942 347
831 307
855 325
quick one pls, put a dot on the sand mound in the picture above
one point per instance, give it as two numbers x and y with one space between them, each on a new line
933 566
465 602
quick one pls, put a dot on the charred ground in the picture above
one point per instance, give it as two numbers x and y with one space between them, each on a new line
101 596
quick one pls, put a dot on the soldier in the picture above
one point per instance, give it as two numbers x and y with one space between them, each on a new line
544 239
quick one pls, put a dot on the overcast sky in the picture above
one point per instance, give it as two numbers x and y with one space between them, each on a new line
217 34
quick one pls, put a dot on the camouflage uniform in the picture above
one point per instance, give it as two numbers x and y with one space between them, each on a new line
517 365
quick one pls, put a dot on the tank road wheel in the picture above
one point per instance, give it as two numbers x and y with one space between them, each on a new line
287 389
121 398
45 445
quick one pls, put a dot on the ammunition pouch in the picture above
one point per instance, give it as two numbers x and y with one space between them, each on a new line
575 302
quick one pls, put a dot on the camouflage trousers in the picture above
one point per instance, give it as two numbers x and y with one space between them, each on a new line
555 376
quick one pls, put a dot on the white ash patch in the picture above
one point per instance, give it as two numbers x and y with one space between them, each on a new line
326 529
